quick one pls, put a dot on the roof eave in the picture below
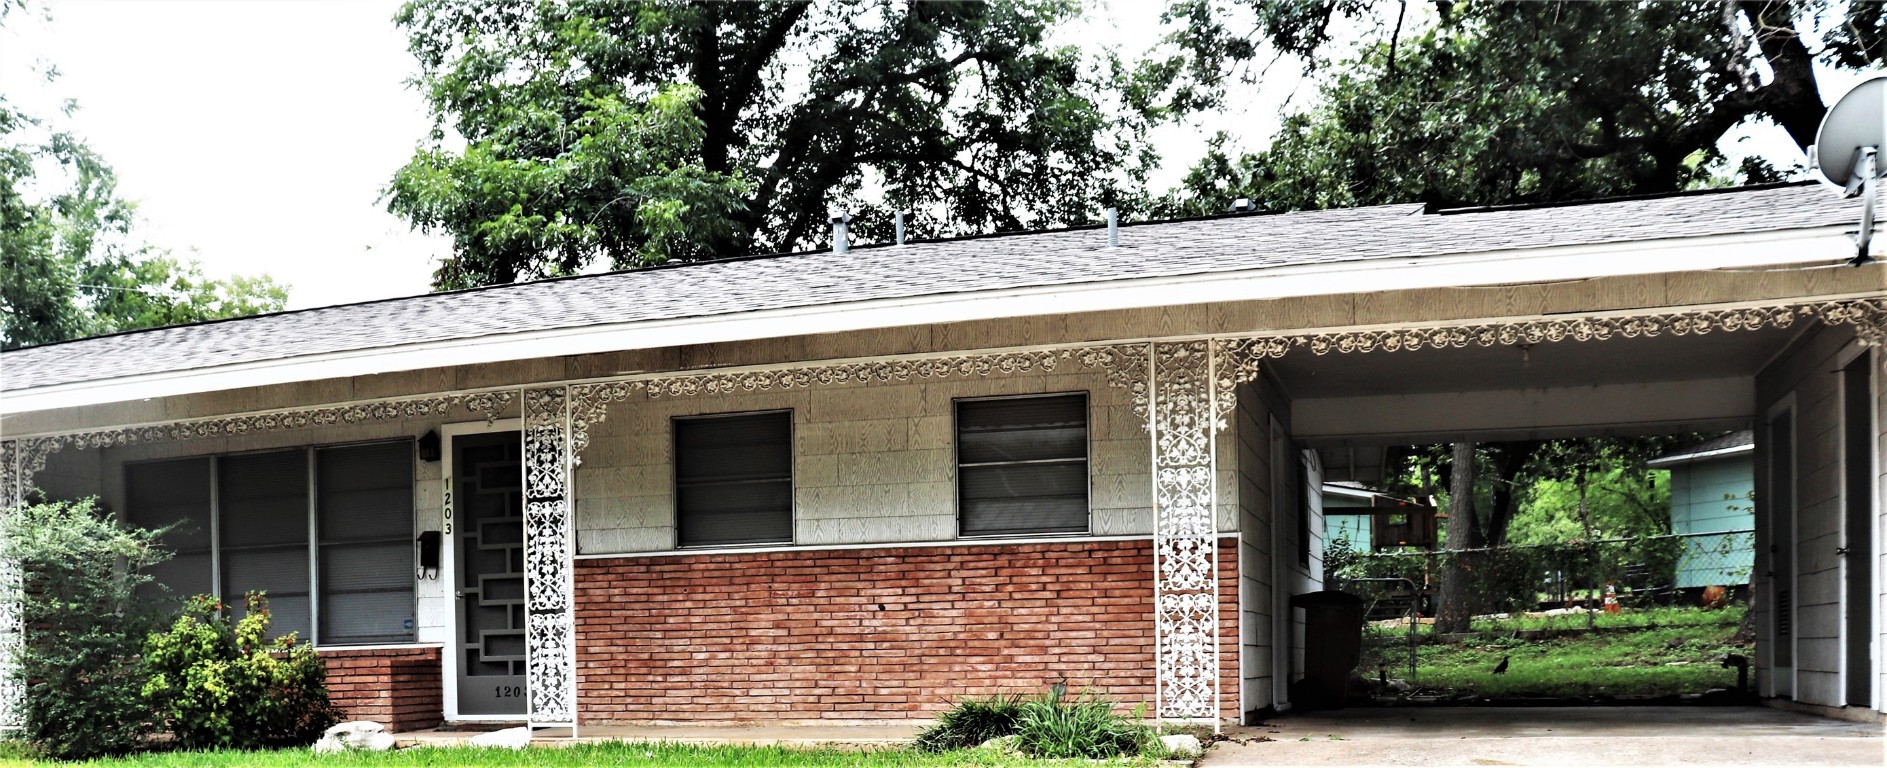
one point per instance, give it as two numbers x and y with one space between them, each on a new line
1495 267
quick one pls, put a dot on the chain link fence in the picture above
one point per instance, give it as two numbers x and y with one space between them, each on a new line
1538 590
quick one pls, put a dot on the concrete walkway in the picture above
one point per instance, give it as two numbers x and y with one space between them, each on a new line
865 735
1596 736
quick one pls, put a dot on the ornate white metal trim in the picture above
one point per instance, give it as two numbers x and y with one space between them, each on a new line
1183 425
12 628
550 682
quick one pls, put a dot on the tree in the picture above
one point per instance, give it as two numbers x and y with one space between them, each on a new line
1501 102
69 263
642 132
1454 603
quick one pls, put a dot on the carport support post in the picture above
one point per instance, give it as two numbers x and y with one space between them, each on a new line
12 632
549 612
1181 425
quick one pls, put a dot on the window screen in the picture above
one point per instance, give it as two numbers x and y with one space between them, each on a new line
1022 465
734 479
174 493
365 518
262 503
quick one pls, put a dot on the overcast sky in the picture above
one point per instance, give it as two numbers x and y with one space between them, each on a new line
256 136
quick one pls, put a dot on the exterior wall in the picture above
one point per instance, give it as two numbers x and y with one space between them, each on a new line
1258 404
1808 372
1706 497
1354 529
871 463
400 688
869 633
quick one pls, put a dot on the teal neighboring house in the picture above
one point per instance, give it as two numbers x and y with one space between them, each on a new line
1711 487
1371 520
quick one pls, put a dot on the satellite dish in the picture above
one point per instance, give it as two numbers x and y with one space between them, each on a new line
1848 146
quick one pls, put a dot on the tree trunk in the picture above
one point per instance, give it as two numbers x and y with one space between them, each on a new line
1454 612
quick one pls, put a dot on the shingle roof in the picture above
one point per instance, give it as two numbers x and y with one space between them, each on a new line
1736 442
1019 260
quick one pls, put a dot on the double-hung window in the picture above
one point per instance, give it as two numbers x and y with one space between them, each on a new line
734 479
1022 465
326 532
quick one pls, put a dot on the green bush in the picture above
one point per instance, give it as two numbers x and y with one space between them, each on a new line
1064 727
1051 725
971 722
79 571
215 684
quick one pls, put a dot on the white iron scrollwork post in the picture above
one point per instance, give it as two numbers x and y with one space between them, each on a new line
12 632
1182 421
550 621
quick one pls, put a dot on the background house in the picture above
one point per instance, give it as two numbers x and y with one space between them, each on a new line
1712 492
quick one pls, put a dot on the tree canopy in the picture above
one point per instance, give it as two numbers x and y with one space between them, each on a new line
1501 102
70 266
644 132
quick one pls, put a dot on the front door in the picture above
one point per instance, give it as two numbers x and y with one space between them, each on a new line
488 536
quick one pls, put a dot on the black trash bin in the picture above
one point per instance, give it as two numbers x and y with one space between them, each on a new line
1333 645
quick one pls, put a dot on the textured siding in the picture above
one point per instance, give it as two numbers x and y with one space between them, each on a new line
867 634
1258 403
871 463
1706 497
1808 371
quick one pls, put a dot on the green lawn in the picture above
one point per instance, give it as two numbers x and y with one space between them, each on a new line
611 754
1651 662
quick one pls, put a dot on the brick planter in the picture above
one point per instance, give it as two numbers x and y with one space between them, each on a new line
870 633
400 688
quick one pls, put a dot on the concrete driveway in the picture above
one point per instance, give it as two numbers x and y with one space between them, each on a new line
1596 736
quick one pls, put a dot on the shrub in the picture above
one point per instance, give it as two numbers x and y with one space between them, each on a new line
79 571
221 685
971 722
1051 726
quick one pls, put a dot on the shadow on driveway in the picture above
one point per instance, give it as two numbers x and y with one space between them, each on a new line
1597 736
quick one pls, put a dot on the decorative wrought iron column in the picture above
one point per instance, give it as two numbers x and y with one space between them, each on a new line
550 620
1182 421
12 632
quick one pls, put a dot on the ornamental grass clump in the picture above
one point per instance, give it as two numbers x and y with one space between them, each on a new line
218 684
1064 727
80 570
971 722
1052 725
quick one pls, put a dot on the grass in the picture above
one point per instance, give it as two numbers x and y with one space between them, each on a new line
597 754
1673 658
1630 618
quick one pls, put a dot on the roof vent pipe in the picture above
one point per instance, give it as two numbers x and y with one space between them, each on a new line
1113 228
840 244
899 219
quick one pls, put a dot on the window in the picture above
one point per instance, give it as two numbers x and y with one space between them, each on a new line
1022 465
734 479
351 584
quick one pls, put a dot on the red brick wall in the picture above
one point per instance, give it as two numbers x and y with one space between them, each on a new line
870 633
400 688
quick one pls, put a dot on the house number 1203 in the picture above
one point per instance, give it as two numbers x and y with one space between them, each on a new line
509 691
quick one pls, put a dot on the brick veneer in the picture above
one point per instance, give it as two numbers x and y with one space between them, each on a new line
400 688
870 633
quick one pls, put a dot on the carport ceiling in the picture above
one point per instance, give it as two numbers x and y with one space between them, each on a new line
1714 355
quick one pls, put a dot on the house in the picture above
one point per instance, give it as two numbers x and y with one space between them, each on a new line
1371 520
852 486
1712 512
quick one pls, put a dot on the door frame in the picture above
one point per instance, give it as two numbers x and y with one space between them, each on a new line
449 567
1847 358
1781 681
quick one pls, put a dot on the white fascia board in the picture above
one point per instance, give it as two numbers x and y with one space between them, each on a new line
1692 458
1826 244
